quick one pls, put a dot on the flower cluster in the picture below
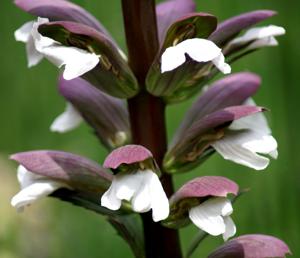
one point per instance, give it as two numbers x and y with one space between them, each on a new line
97 78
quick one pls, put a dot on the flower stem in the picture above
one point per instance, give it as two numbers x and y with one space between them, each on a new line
147 116
196 242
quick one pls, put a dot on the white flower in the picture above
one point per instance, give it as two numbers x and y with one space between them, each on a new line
67 121
260 37
143 189
245 138
76 61
200 50
33 188
212 216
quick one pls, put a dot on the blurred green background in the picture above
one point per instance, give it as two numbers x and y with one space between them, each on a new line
29 102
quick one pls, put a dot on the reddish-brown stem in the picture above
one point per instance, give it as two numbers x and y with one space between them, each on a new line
147 116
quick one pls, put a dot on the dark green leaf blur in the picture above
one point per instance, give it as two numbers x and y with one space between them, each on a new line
29 102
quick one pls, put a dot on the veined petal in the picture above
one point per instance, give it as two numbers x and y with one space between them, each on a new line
241 148
259 33
200 50
230 228
208 216
160 202
128 154
67 121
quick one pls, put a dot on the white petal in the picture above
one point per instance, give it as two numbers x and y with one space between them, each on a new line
128 184
264 144
24 33
76 61
33 192
200 50
123 187
274 154
219 62
227 208
256 122
265 42
67 121
141 202
143 189
208 216
109 199
260 33
230 228
33 56
26 177
160 202
241 147
213 225
171 59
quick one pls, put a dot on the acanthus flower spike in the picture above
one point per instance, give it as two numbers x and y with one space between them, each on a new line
203 201
108 116
136 181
